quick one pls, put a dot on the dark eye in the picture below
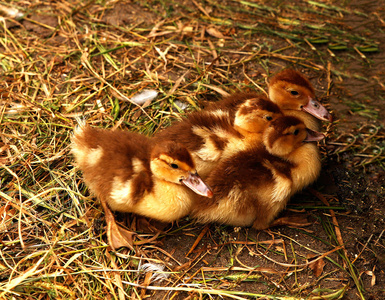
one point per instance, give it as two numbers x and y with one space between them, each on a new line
294 93
269 118
174 166
296 132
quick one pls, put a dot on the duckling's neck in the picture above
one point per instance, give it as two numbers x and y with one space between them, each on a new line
248 133
245 141
310 122
167 201
217 140
307 166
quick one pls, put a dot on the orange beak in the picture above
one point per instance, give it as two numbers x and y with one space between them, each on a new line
313 136
196 184
316 109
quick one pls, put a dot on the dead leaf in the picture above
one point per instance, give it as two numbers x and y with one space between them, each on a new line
199 238
163 54
215 32
279 248
146 282
317 266
147 103
217 89
177 83
6 212
370 273
294 220
136 115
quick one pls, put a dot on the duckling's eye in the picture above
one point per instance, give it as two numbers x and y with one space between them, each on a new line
296 132
269 118
294 93
174 166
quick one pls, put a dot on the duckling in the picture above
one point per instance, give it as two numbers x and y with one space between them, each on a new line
291 91
253 186
294 94
129 173
216 134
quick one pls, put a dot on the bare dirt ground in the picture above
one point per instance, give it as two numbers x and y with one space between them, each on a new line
62 60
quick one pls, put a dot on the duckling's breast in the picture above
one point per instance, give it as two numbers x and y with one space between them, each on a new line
307 166
167 202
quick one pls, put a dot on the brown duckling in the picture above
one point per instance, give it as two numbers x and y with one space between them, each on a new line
129 173
291 91
294 94
253 186
213 135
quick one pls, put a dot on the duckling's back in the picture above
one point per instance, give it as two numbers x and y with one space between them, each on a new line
105 155
245 187
204 134
231 103
252 186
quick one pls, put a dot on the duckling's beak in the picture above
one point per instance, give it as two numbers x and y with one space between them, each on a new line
313 136
195 183
316 109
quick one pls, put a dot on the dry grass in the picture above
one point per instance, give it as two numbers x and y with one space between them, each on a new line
64 60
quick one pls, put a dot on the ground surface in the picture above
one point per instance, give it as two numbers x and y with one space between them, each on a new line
62 60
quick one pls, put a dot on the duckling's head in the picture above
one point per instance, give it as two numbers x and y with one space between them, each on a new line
255 114
173 163
286 134
289 89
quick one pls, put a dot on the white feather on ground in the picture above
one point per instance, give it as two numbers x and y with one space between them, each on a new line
144 96
158 271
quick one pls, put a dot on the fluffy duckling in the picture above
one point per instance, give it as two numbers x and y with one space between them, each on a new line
253 186
214 135
294 94
291 91
129 173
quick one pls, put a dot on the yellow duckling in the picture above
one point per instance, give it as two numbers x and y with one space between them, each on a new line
291 91
129 173
294 95
253 186
214 134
